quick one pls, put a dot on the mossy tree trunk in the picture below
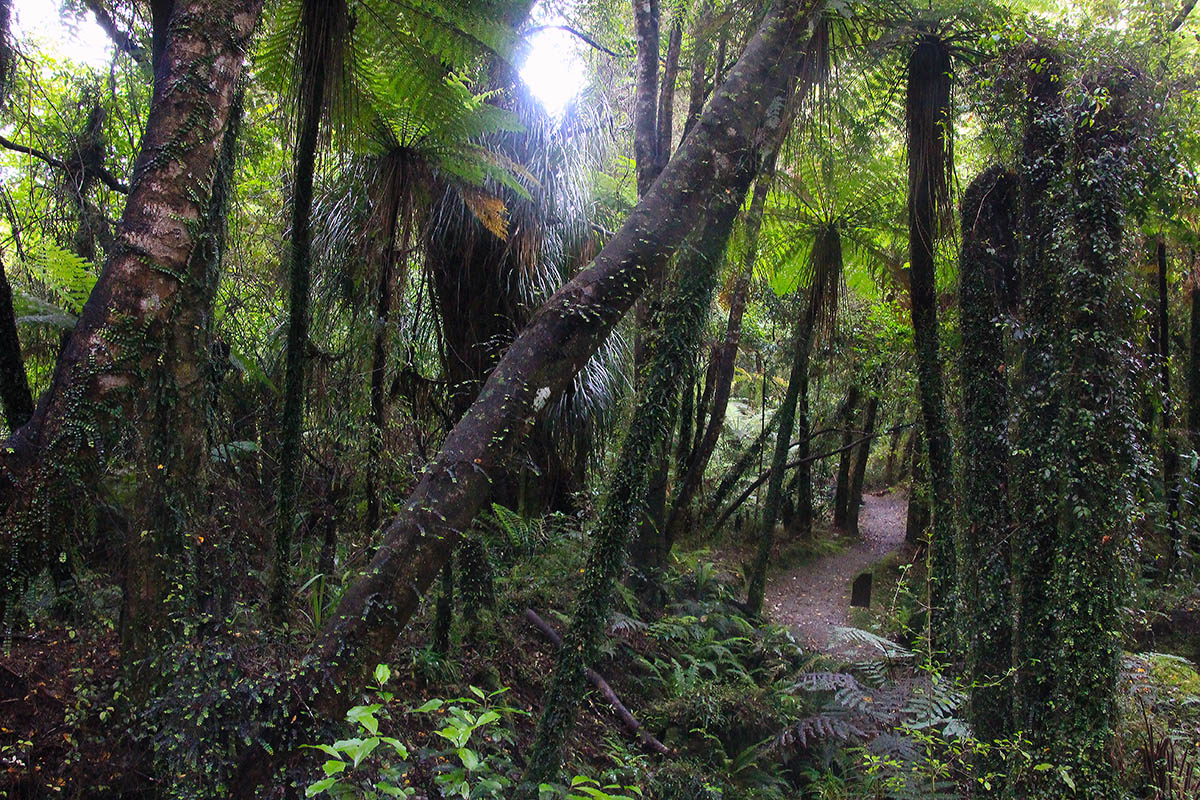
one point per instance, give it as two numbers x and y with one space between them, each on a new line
1193 375
1088 583
678 336
987 258
916 523
1168 447
1043 200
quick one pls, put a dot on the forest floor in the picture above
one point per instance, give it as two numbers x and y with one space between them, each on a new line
814 598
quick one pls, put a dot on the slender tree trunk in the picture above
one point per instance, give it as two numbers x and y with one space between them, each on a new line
889 465
1168 446
679 336
49 467
539 365
1193 412
917 520
725 359
645 102
801 341
858 475
14 384
800 525
989 250
383 311
841 490
698 85
928 117
299 280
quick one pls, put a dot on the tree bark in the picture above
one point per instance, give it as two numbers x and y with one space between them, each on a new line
537 367
49 467
988 252
14 383
841 490
928 119
858 474
312 109
917 520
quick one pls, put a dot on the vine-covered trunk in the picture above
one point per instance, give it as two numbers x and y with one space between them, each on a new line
537 367
49 467
1094 500
291 421
166 552
678 336
987 258
916 523
1043 200
928 119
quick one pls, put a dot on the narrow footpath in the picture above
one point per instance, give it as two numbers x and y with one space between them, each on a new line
814 598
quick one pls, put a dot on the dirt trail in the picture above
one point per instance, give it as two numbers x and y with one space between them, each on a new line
815 597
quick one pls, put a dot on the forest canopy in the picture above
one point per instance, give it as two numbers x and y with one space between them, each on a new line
581 399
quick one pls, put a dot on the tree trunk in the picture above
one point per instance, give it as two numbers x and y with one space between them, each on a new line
49 467
299 279
1193 412
166 558
726 357
14 384
537 367
858 475
1037 452
928 118
679 335
916 523
841 490
989 251
801 341
1168 446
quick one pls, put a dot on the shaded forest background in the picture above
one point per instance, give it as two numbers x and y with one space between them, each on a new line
372 430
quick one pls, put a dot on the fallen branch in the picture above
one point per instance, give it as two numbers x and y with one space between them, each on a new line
793 464
627 718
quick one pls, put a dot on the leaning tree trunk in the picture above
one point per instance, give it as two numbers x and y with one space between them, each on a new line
1093 467
50 466
988 255
1044 200
679 334
537 367
927 122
